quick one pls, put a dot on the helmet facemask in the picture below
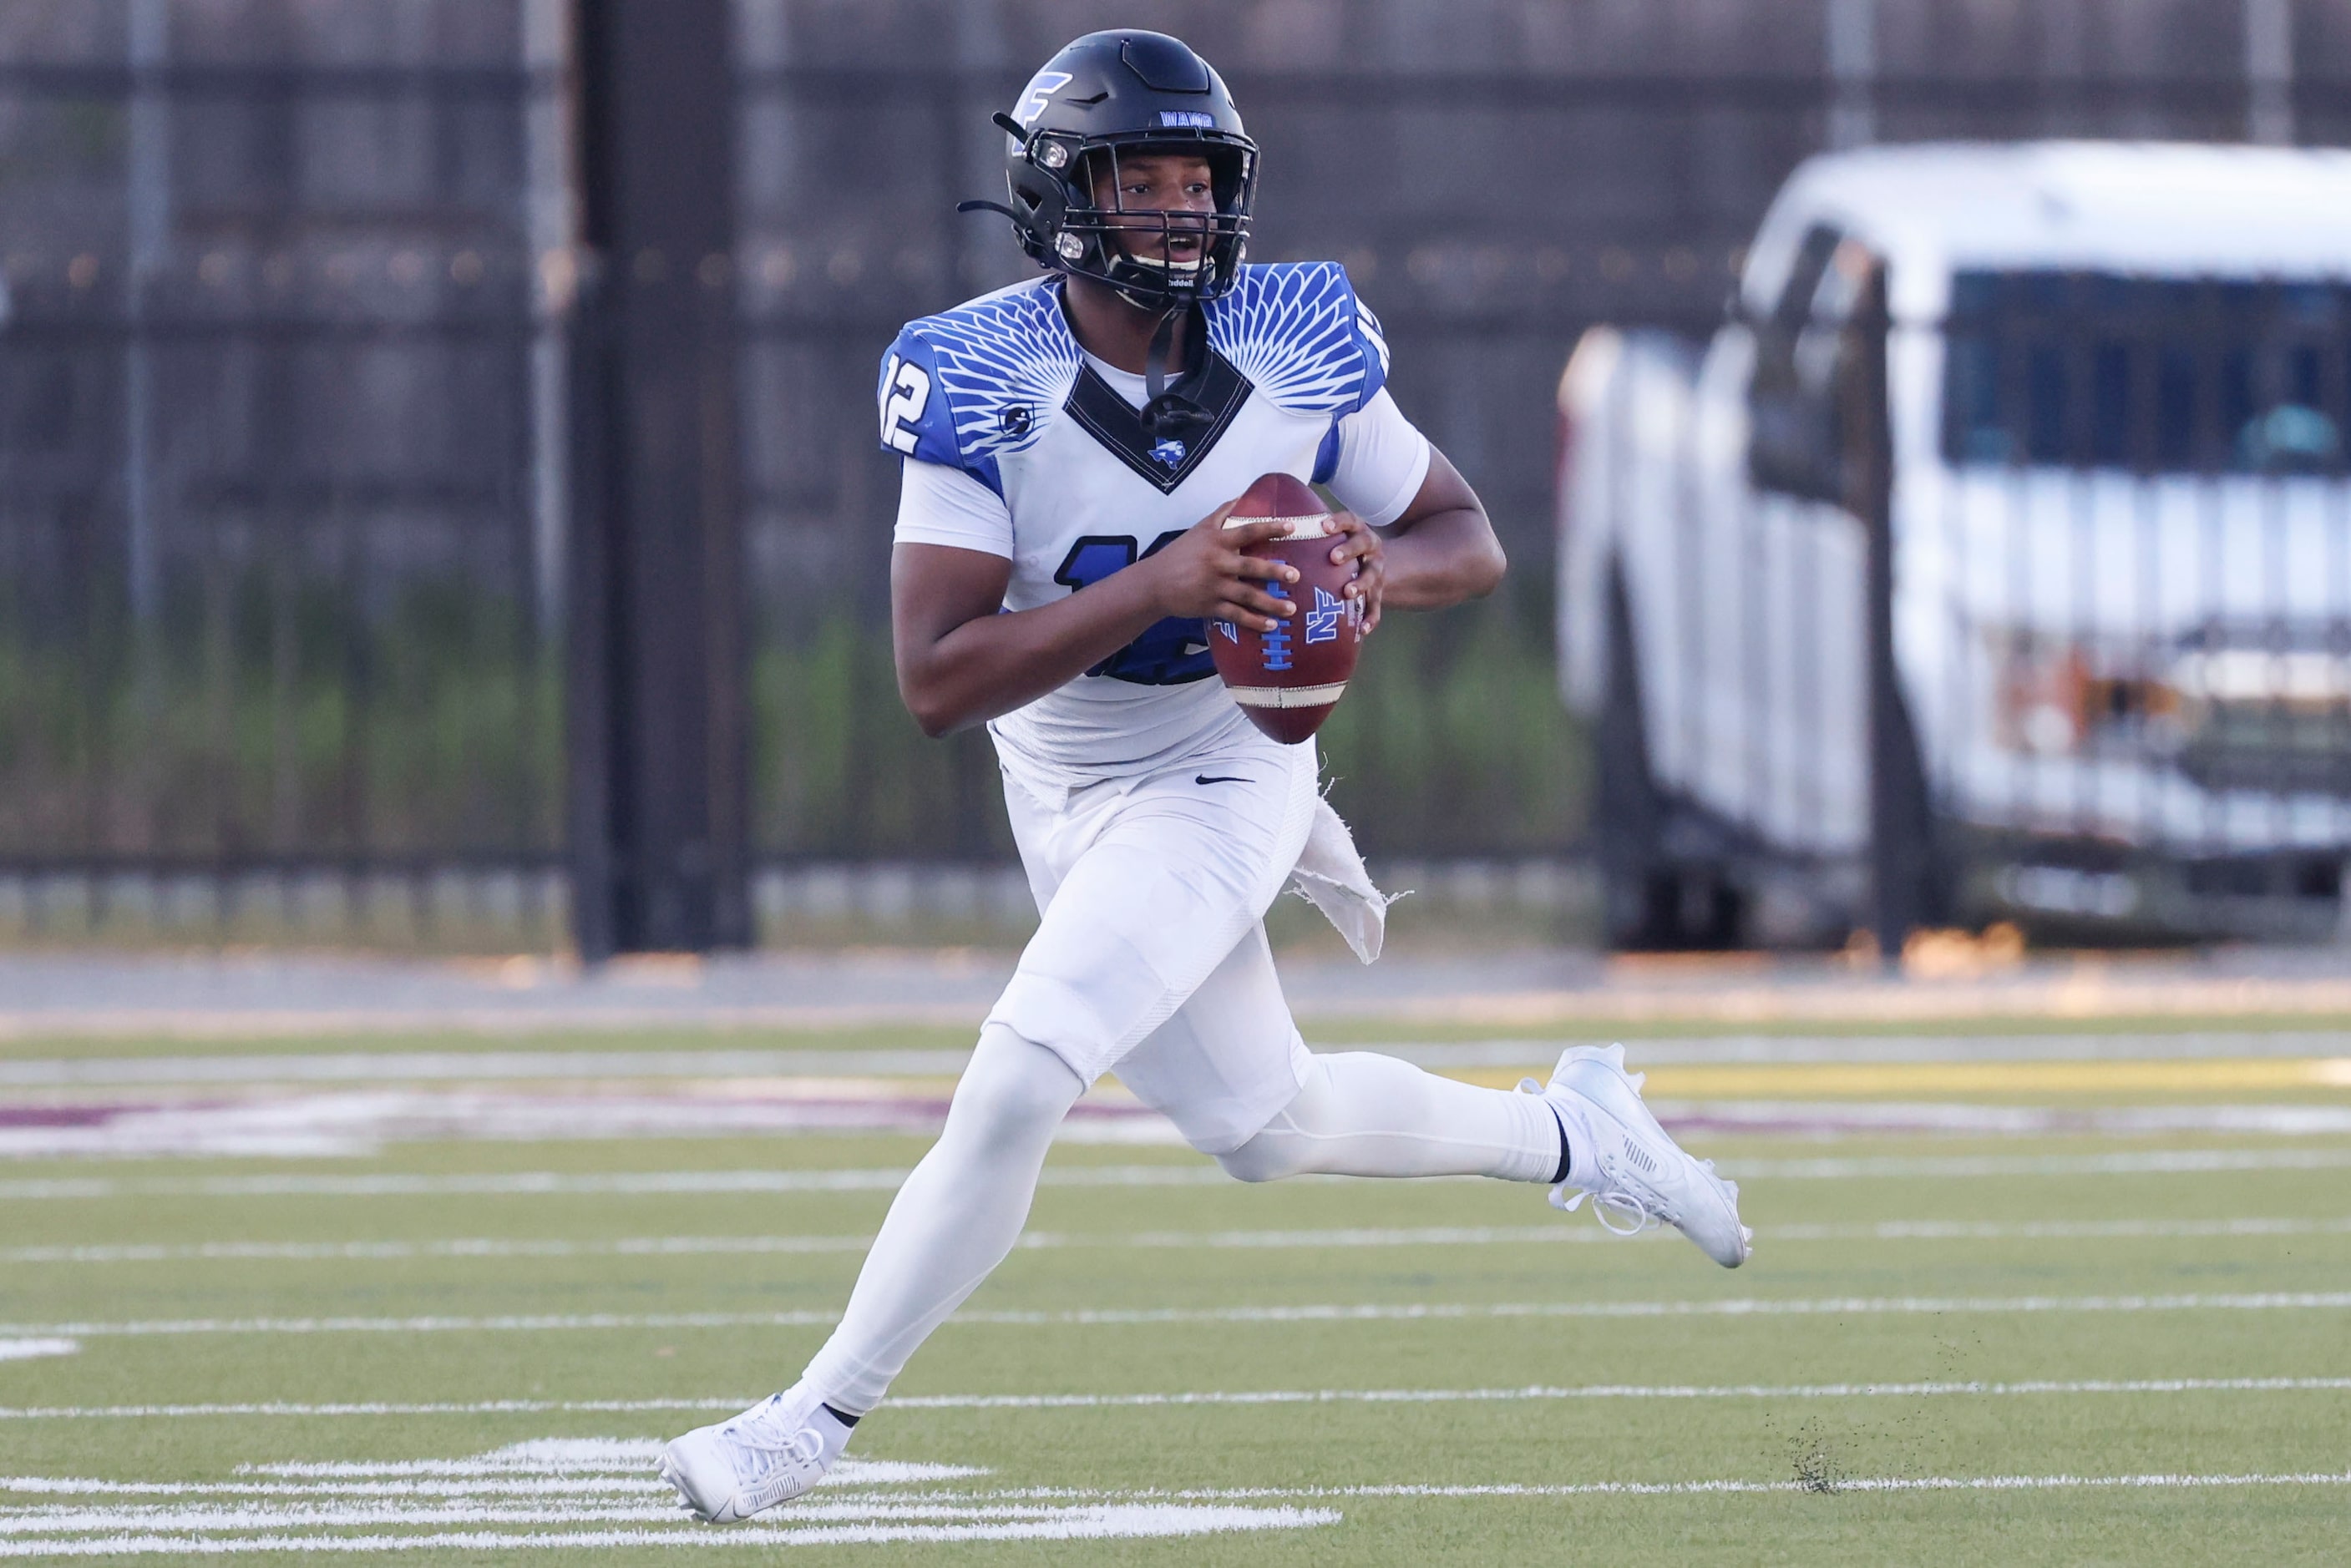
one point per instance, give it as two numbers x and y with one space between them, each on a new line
1157 257
1061 225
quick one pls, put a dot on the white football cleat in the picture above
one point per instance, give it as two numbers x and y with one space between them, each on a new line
1628 1165
767 1456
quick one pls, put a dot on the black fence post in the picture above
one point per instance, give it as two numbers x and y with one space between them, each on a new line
1899 822
658 759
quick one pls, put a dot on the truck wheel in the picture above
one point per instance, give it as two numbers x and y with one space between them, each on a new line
1650 901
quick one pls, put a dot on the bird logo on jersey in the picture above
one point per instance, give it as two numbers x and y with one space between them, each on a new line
1169 451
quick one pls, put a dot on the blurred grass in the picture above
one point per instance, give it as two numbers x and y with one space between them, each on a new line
255 719
259 718
1451 742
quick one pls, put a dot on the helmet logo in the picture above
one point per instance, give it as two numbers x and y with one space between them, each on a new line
1032 102
1187 117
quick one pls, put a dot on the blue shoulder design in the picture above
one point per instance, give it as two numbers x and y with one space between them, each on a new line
968 385
1302 339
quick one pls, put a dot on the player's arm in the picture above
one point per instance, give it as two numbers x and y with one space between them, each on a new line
961 660
1443 549
1440 551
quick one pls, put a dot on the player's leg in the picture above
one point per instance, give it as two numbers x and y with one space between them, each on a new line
1229 1069
1161 878
955 1220
1231 1072
1362 1114
1358 1113
1130 930
956 1216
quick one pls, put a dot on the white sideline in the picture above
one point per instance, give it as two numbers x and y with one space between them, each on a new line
550 1183
1423 1236
1675 1391
1366 1311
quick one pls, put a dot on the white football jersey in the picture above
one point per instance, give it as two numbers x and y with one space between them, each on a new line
1020 443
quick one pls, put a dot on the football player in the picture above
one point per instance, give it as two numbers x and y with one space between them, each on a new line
1072 446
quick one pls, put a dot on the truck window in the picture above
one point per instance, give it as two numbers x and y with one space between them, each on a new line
1796 420
2150 375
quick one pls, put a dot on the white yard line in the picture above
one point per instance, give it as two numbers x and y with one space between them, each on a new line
513 1067
1634 1391
362 1120
1423 1236
598 1482
1671 1391
553 1183
1095 1522
549 1183
364 1407
597 1492
1364 1312
36 1349
2157 1482
2152 1162
509 1064
1039 1514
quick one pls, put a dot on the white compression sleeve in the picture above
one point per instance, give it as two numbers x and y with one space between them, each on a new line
954 1221
1363 1114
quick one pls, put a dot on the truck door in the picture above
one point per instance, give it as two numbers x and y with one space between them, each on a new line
1792 669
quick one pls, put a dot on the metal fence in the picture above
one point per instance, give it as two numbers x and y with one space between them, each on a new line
282 510
2039 608
275 555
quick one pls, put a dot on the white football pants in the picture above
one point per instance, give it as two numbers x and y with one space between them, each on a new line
1151 959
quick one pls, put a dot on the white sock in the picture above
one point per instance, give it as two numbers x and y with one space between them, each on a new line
830 1426
1363 1114
954 1221
802 1409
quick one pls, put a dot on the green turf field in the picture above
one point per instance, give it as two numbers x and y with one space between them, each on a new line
2046 1347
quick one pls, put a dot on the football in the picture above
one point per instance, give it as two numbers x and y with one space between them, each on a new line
1288 679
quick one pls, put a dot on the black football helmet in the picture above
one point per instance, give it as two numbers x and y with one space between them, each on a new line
1121 93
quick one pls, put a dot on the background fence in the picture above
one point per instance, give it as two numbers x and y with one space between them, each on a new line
282 511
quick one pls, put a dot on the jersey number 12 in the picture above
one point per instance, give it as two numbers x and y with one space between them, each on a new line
1169 652
905 392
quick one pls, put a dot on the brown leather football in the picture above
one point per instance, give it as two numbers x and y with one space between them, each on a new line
1288 679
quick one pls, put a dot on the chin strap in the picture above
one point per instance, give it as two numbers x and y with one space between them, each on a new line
1167 412
1024 222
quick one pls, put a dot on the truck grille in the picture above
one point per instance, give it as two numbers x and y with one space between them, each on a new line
2272 713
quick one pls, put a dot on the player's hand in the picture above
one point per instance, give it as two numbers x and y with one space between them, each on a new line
1205 575
1358 544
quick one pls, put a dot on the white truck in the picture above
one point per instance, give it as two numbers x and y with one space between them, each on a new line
2090 400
